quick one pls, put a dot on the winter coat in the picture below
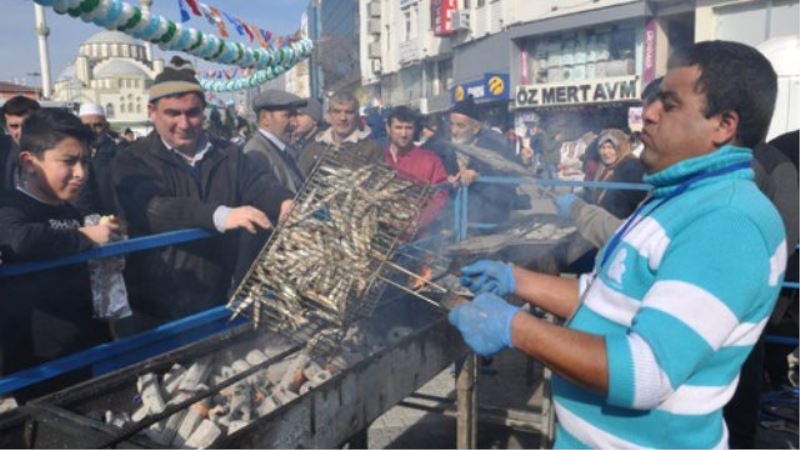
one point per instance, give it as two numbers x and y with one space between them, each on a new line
158 191
358 144
284 168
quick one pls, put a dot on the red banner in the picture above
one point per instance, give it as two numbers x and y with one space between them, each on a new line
441 10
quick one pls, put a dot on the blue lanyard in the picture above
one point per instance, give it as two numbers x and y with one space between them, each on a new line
632 220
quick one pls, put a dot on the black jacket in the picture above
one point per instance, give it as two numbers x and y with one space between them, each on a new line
158 191
619 202
284 168
46 314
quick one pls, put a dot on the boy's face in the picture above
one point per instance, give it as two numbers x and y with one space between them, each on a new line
59 174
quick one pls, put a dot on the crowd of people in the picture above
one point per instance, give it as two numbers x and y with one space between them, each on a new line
616 364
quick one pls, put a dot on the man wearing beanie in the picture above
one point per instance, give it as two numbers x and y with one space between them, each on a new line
176 178
306 124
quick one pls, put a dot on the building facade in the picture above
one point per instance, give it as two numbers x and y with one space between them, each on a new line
114 70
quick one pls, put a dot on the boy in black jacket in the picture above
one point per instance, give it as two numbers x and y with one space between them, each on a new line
48 314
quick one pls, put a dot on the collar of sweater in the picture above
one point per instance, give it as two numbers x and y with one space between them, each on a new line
355 137
667 180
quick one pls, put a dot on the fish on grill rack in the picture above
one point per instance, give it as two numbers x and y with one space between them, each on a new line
321 266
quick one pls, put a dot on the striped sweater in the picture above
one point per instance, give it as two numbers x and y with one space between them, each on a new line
681 300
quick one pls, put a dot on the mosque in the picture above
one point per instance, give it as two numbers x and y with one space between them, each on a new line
114 70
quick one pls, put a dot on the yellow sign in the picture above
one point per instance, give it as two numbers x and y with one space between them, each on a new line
459 93
496 85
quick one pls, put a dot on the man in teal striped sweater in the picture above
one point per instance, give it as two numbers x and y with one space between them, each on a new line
656 335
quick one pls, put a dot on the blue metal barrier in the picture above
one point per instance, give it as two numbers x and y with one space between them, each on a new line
111 249
115 355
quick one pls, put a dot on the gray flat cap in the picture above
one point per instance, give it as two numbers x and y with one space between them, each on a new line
313 108
272 99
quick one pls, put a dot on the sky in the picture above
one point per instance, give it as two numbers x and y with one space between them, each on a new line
19 54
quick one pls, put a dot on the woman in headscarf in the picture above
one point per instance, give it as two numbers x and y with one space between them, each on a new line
618 165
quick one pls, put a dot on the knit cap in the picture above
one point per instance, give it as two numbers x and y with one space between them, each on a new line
177 78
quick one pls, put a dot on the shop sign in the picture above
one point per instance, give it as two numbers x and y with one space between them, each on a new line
406 3
493 86
578 92
441 10
649 73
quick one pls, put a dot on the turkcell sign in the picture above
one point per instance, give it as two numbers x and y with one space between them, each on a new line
603 90
493 86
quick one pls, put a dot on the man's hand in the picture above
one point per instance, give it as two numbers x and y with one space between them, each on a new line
468 176
102 234
286 209
485 323
247 217
564 205
489 276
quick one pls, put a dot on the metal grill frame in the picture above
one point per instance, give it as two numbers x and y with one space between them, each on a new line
315 315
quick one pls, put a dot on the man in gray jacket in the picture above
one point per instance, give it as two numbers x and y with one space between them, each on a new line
274 110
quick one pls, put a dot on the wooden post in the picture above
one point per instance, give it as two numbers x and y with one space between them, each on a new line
467 403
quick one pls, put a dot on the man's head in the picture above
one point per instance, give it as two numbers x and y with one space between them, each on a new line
465 121
342 114
275 110
94 117
307 118
129 135
715 93
400 127
54 155
177 102
15 110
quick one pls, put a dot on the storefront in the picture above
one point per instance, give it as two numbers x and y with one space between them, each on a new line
491 94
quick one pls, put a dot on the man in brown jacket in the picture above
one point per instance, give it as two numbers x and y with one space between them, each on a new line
344 131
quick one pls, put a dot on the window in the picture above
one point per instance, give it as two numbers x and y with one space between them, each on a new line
481 3
122 108
139 108
110 110
130 107
407 18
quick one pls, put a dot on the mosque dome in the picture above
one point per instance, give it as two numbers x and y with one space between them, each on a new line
110 44
119 68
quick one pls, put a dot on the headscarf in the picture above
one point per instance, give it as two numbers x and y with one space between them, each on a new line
622 145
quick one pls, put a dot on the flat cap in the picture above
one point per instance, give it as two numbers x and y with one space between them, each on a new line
313 108
272 99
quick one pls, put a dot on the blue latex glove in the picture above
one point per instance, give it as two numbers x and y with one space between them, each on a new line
564 205
485 323
489 276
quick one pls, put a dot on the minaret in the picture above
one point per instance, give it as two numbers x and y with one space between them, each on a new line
44 55
148 47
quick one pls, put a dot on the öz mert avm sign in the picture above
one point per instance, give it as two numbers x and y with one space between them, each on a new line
603 90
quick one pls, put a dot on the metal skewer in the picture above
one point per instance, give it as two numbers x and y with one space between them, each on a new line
410 291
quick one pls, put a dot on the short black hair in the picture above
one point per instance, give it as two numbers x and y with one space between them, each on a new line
402 114
44 129
734 77
127 130
650 92
20 106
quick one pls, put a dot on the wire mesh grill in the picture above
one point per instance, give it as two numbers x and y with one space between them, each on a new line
321 268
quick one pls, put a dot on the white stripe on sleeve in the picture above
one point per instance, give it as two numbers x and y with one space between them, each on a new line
689 399
651 384
612 305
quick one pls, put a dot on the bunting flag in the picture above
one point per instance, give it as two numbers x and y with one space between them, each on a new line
193 4
279 41
185 17
267 36
260 36
220 24
236 24
247 30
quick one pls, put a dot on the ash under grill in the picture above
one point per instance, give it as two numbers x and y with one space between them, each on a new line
322 267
